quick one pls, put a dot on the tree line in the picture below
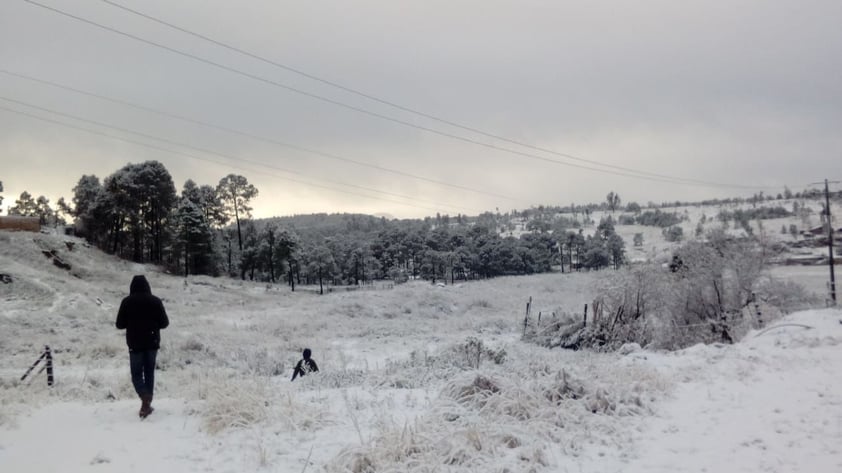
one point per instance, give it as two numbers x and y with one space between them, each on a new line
138 214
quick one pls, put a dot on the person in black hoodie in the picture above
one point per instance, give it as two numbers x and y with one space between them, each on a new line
143 316
305 365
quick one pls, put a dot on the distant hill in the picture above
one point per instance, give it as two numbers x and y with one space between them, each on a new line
324 223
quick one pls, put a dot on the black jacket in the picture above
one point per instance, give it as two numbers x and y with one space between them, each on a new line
143 316
304 366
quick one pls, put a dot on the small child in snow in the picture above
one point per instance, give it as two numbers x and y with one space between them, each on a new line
305 365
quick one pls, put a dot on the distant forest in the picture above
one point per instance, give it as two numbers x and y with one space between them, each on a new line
138 214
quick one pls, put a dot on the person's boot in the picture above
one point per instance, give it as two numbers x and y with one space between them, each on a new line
149 411
146 405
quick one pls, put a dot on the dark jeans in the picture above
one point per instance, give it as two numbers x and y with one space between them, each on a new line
142 364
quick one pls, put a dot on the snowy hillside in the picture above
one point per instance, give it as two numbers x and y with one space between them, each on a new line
415 378
798 257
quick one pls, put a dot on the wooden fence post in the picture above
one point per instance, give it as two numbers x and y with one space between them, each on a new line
49 365
43 355
526 318
47 356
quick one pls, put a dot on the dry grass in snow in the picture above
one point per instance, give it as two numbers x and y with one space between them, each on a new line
413 379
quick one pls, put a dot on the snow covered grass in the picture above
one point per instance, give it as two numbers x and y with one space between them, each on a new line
530 413
415 378
235 402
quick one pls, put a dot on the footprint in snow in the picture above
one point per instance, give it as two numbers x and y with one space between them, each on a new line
100 458
759 443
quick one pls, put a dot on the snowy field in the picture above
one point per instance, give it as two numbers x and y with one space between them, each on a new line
401 388
814 278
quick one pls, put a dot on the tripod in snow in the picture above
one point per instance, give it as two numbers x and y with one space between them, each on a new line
48 364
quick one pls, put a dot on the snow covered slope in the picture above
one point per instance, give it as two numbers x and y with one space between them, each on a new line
400 387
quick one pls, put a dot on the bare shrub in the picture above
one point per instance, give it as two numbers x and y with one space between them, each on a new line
622 314
564 388
473 351
788 296
711 287
629 300
477 392
702 297
362 464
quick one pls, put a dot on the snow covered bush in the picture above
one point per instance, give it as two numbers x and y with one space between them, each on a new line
710 289
474 352
674 233
703 296
629 301
786 295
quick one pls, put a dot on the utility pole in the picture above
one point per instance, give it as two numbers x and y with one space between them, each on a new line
830 242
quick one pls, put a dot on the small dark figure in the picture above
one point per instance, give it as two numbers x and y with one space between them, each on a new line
677 264
143 316
305 365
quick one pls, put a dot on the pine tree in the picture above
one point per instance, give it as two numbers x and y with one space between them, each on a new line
322 265
268 250
25 206
207 200
194 239
44 212
63 207
143 198
249 254
613 200
85 194
236 193
131 213
617 248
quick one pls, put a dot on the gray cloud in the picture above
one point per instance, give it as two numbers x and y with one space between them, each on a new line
732 92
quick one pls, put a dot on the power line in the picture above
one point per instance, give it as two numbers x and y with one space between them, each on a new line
255 137
222 155
398 106
201 158
638 174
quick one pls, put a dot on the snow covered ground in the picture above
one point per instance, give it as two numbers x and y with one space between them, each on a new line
771 403
814 278
656 248
400 389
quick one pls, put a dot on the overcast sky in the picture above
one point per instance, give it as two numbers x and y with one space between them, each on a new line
742 95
